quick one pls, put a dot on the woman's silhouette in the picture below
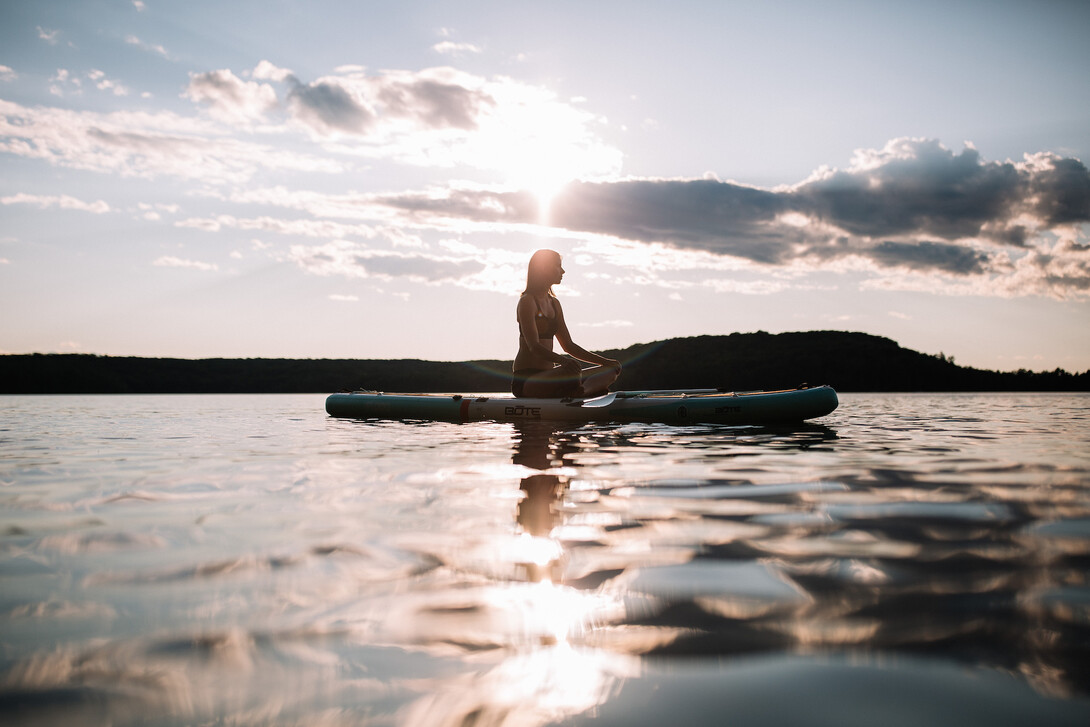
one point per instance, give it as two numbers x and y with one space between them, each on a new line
538 371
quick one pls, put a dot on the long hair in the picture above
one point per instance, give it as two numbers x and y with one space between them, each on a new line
536 271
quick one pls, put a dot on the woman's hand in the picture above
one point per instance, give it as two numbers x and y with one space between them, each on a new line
571 367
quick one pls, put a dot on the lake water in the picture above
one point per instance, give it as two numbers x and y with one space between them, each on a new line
246 560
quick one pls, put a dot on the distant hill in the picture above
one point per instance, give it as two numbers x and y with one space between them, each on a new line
740 361
846 361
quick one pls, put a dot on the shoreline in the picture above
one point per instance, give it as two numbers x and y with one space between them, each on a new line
849 362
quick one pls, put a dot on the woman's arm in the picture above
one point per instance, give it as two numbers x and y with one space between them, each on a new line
563 336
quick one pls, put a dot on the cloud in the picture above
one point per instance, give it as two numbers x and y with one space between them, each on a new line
478 205
701 214
61 80
49 36
169 261
157 49
356 103
304 228
142 145
107 84
435 100
266 71
918 187
941 256
1004 228
229 98
1061 188
329 106
7 74
63 201
359 105
352 260
435 117
913 194
451 48
617 323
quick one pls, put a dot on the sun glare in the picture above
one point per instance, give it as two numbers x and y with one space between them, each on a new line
539 143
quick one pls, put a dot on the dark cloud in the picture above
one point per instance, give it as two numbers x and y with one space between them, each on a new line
329 107
434 104
1062 191
914 205
928 191
930 256
704 214
354 107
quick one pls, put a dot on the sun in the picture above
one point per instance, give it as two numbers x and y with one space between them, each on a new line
539 144
545 180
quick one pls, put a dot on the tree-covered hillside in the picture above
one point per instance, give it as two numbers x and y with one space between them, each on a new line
741 361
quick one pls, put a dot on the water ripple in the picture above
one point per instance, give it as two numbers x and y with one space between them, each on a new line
247 560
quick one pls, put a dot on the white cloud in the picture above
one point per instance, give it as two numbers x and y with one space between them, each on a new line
609 324
139 5
268 72
102 83
63 201
353 260
206 224
451 48
159 207
49 36
492 270
142 145
438 117
170 261
158 49
7 74
305 227
63 81
747 287
344 298
229 98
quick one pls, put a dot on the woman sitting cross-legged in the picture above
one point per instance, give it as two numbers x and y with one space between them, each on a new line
538 371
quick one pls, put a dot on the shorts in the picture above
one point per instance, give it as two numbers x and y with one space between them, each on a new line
564 388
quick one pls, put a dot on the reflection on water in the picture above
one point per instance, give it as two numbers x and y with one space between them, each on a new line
723 568
557 677
246 560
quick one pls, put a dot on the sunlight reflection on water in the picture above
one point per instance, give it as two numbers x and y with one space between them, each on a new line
240 559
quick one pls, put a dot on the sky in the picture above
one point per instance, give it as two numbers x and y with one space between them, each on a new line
327 179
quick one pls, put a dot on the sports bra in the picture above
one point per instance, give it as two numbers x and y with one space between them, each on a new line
546 327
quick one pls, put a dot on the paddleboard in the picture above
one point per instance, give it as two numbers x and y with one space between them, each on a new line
708 406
